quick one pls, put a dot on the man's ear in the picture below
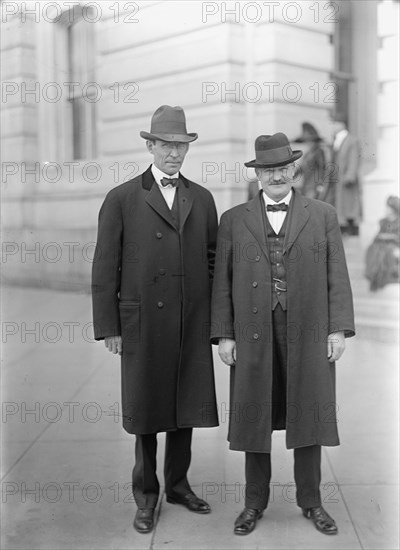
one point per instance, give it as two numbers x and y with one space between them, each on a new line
150 144
257 171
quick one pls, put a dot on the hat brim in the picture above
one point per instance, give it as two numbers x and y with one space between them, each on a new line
254 164
184 138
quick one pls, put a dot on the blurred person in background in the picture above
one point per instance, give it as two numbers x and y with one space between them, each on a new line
344 186
310 170
151 288
382 258
281 310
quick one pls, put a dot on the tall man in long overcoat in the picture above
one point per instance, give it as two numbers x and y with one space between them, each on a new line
281 310
151 287
345 191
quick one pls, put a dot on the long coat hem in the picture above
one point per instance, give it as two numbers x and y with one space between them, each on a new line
131 431
268 450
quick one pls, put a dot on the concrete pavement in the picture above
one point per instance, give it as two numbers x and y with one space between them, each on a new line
66 461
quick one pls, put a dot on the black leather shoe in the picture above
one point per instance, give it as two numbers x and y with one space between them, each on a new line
321 519
246 521
192 503
144 520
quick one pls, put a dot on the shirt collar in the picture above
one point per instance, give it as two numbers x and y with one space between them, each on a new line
159 174
285 200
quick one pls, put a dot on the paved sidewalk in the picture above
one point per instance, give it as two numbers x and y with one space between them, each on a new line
67 461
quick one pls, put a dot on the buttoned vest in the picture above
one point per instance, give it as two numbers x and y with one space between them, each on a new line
275 244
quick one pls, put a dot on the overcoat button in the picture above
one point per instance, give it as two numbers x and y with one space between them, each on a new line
255 284
159 235
162 271
258 258
255 309
160 304
256 336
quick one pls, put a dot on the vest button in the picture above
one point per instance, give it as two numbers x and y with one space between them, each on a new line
255 284
255 310
159 235
257 258
256 336
160 305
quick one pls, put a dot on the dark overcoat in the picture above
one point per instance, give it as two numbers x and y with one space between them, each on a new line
319 301
151 283
312 169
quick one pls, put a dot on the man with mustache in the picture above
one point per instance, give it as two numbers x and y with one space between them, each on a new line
281 310
151 289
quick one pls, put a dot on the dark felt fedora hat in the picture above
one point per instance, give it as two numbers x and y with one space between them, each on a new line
309 133
169 124
273 151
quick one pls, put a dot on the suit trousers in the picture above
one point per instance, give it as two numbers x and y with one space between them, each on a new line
307 460
145 485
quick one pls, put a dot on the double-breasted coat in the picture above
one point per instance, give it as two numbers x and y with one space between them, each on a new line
319 302
151 284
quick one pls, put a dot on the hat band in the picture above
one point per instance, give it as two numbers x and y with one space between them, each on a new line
279 154
168 127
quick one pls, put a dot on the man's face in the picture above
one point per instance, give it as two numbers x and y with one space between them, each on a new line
276 182
168 155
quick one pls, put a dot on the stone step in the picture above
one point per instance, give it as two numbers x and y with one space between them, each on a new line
376 313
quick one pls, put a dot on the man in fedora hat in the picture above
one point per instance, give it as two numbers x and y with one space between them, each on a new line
151 289
281 310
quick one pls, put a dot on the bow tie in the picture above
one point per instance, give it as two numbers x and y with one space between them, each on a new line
170 181
277 207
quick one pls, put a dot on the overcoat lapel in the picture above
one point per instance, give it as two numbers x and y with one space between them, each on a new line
157 202
254 221
185 201
298 217
154 196
155 199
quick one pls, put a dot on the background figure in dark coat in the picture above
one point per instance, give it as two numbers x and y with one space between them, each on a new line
151 288
382 258
253 189
281 310
310 169
345 187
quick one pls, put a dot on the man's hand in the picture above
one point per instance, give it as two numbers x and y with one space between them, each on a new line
114 344
336 346
227 351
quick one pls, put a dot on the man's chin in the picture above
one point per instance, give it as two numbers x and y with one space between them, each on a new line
172 169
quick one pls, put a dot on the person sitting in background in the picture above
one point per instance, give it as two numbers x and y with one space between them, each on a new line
311 170
382 258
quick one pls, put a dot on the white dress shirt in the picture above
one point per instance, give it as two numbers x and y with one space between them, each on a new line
168 191
339 139
276 219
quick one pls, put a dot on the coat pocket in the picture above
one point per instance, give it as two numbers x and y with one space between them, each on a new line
129 312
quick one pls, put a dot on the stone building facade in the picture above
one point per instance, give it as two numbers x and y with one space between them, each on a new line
81 79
